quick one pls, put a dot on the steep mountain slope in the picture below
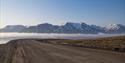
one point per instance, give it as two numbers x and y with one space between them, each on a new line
70 28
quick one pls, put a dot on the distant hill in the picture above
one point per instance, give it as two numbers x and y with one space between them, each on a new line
69 27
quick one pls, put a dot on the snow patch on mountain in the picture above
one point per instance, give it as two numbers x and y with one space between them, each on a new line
112 27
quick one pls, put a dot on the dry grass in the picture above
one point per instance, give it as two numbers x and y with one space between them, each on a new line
112 43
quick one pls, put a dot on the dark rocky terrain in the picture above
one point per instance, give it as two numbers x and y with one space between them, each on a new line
48 51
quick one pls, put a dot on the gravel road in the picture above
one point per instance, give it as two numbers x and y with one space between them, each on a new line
31 51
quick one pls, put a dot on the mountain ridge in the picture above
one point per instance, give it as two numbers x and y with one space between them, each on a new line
69 27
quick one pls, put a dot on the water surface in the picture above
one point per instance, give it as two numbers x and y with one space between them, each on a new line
5 37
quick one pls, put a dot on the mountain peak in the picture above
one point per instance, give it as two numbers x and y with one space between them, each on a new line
114 26
69 27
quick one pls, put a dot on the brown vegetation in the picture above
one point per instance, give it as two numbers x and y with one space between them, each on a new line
109 43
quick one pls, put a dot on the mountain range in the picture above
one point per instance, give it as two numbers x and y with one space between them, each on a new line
69 27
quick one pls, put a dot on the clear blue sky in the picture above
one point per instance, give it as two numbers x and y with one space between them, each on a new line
32 12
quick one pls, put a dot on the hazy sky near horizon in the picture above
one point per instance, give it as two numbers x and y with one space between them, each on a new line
32 12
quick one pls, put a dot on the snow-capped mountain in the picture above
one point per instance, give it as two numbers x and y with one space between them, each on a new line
115 28
69 27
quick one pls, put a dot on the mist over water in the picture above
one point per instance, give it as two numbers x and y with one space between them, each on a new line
5 37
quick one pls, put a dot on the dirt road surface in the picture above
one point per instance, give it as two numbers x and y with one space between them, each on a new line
31 51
